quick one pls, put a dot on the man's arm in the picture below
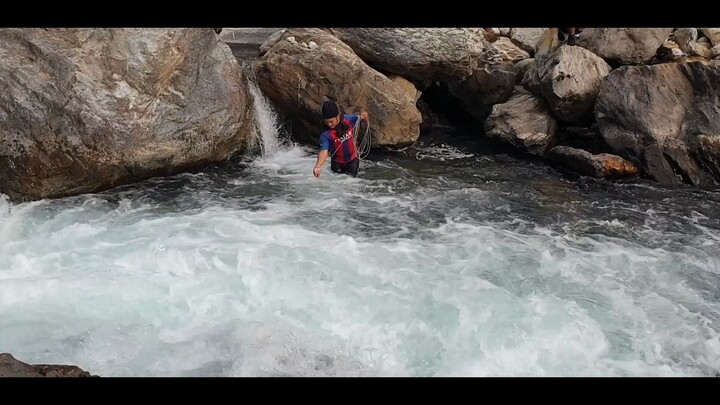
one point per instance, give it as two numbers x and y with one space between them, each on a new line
324 146
320 161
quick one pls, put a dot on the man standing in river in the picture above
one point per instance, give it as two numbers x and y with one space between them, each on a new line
338 141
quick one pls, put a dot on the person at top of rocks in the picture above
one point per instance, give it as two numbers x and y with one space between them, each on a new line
571 34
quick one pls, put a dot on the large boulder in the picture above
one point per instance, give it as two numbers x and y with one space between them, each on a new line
82 110
624 45
569 80
665 118
303 67
523 121
418 54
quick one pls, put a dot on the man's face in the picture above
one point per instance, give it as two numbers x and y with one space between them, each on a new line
332 122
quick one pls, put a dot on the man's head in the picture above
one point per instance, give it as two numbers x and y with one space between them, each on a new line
331 113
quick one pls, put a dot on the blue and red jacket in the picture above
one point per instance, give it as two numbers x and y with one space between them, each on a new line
340 146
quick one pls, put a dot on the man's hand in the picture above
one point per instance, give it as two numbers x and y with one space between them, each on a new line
364 115
320 161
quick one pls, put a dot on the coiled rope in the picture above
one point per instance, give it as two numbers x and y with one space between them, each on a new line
362 147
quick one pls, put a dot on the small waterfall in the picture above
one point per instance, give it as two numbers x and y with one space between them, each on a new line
267 122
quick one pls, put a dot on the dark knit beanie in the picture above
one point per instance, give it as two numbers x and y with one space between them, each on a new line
330 110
